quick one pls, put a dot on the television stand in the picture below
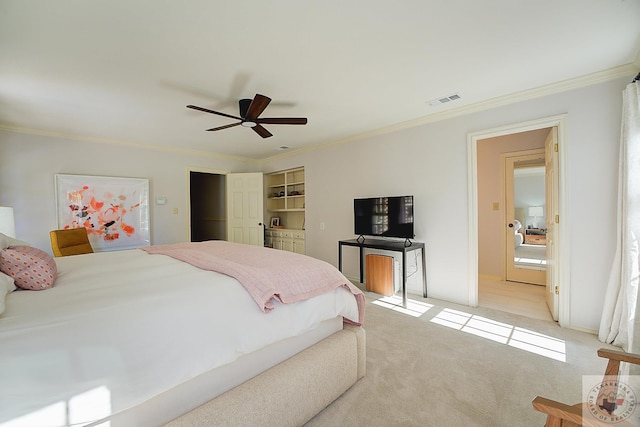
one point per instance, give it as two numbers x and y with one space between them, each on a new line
387 245
360 239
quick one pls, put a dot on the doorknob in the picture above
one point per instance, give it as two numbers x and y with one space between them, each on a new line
259 223
510 225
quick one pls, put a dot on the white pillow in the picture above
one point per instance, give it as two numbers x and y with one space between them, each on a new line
7 285
6 241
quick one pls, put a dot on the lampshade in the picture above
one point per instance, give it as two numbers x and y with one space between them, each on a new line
535 211
7 224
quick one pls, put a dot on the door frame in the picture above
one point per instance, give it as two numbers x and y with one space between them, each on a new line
562 255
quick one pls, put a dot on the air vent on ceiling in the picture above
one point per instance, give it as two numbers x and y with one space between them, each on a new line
443 100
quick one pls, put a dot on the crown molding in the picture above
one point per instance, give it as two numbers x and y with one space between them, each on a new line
550 89
553 88
99 140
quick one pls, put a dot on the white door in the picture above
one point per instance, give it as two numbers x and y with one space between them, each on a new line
521 266
245 207
552 201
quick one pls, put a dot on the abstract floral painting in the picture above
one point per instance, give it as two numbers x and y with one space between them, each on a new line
114 210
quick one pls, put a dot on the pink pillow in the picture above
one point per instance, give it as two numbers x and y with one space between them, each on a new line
31 268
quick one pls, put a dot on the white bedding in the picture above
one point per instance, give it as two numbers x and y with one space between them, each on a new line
128 326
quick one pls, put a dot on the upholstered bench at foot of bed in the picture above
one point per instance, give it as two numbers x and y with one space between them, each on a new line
291 393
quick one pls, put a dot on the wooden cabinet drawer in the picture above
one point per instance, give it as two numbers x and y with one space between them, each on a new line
298 246
535 239
288 240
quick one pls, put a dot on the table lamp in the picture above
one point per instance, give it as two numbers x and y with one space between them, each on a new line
7 224
535 212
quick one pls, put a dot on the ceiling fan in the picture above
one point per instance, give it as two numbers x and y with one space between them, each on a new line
250 109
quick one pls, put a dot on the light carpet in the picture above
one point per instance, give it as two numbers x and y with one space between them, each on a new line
435 370
531 256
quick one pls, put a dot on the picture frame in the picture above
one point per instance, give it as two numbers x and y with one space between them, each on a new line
275 222
114 210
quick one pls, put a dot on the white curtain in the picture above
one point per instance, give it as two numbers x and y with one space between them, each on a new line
620 321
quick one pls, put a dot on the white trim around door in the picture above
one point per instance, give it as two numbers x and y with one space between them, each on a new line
562 254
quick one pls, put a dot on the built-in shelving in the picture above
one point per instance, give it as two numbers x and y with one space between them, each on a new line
285 200
285 191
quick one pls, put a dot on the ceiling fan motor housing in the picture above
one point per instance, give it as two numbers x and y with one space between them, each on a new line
244 107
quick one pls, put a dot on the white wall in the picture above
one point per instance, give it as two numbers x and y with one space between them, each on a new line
28 164
430 162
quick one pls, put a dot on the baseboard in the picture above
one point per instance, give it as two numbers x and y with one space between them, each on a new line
585 330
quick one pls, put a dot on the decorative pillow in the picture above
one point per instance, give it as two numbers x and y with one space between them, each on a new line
6 286
6 241
30 267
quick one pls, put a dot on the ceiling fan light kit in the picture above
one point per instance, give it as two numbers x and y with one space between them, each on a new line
250 109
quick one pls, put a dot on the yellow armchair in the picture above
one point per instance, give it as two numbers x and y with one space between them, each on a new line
73 241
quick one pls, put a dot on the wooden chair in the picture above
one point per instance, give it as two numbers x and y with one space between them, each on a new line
72 241
561 415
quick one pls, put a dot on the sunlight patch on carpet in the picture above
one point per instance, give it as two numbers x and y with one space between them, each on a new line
503 333
394 302
530 261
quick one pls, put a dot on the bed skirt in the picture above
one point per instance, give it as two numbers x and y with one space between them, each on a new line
291 393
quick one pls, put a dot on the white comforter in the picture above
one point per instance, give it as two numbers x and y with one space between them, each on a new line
133 325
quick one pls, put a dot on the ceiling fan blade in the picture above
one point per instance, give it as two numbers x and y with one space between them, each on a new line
226 126
213 112
283 120
257 106
261 131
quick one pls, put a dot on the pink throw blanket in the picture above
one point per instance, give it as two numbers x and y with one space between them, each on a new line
265 273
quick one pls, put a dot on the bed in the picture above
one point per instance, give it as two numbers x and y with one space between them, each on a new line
143 338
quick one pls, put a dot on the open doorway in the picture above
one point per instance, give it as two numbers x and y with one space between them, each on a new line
207 202
512 265
225 206
492 206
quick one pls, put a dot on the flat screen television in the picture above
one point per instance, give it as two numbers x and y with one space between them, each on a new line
384 216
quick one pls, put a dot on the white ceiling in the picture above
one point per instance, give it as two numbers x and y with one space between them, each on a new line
124 70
